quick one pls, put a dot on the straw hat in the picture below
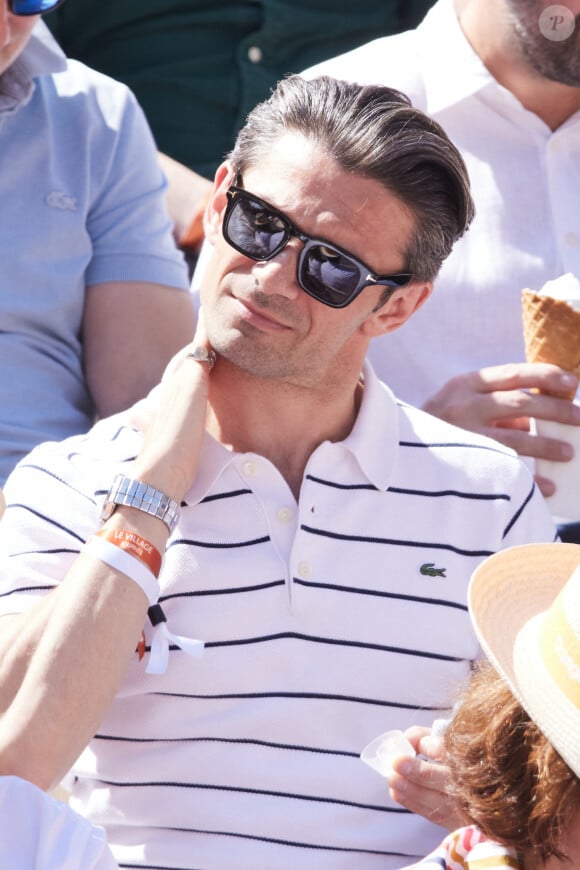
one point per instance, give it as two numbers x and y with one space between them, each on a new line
525 607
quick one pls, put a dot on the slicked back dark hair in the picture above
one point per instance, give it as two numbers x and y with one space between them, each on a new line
373 131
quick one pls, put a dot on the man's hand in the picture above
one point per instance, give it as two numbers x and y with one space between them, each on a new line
499 402
172 419
419 784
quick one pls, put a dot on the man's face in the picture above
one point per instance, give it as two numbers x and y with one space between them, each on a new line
256 314
15 31
538 27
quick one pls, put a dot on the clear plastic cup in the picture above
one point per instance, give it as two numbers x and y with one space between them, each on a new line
382 751
565 503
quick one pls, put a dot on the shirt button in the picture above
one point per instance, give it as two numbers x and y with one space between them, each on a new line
284 515
572 240
249 468
304 570
255 54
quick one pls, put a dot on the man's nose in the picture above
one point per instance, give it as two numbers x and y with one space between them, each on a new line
278 276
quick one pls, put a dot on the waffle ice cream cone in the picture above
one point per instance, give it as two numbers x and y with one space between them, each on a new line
552 328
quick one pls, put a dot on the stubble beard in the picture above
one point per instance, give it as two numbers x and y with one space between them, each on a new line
558 61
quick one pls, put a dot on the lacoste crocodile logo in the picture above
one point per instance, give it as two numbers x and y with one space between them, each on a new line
59 199
428 569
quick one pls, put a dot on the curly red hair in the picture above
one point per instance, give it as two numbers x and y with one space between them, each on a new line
506 777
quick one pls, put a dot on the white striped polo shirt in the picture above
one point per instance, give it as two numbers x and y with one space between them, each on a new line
326 623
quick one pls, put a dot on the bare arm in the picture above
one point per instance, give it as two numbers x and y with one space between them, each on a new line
500 400
130 332
63 661
187 195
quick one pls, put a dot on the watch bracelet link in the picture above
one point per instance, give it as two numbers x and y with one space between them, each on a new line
139 495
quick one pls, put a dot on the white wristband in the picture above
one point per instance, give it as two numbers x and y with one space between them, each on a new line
129 565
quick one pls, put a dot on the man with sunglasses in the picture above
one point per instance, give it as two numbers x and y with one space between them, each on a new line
503 79
94 294
228 591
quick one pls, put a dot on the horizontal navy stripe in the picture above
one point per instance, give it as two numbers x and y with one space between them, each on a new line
235 789
27 589
331 587
390 595
335 485
420 492
454 444
48 520
224 591
304 696
52 552
221 495
235 741
476 496
211 545
395 542
275 840
309 638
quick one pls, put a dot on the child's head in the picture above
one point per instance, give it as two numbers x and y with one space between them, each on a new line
506 776
514 744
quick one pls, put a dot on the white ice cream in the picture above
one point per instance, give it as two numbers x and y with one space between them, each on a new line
566 287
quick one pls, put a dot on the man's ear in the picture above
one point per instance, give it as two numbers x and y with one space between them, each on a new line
212 219
397 310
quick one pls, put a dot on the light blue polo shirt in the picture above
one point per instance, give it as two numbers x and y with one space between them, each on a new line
82 202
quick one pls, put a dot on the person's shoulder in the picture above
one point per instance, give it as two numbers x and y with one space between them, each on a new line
82 82
94 106
424 429
90 456
389 60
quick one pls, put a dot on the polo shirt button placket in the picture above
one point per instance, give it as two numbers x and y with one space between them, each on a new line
284 515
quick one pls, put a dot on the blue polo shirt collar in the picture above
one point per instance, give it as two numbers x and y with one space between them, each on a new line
41 56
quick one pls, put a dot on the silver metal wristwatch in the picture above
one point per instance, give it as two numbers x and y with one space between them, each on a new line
139 495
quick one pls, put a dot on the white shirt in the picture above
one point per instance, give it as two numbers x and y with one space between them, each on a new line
38 832
525 182
326 622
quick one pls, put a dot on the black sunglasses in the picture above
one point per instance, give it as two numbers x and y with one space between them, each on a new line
326 272
32 7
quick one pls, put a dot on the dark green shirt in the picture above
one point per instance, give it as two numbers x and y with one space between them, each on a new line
197 68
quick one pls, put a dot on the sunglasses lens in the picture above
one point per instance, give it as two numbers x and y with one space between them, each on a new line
329 276
32 7
254 230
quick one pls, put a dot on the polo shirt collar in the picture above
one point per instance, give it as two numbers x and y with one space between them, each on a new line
451 70
373 441
374 438
41 56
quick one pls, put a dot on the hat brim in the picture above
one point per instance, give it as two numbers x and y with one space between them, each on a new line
508 595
